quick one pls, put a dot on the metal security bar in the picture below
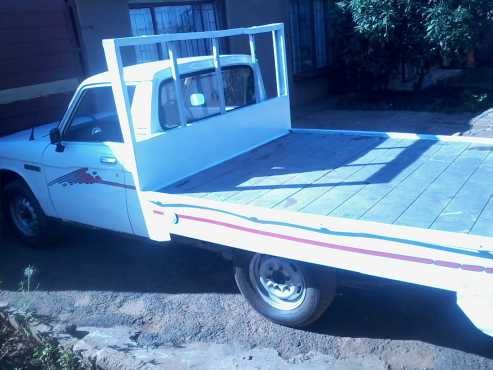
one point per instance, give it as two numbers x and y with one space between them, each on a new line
219 75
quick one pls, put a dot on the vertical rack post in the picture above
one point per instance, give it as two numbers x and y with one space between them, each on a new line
175 73
120 93
219 74
253 53
279 46
122 101
253 57
282 45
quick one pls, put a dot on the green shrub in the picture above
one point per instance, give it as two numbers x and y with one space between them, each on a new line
380 38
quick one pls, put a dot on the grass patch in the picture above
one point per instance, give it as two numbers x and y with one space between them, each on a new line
20 351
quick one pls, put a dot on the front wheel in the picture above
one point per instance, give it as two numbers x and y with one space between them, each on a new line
287 292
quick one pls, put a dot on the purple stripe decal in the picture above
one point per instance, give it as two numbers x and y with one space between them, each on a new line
343 248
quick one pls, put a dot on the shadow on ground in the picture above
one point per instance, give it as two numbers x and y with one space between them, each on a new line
319 116
102 261
365 307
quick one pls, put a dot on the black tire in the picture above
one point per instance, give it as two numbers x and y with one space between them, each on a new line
42 229
319 291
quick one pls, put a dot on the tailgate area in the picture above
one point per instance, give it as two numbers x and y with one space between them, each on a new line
414 182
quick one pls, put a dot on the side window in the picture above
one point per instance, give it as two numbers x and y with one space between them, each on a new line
201 95
95 118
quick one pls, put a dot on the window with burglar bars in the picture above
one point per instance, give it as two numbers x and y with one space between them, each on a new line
172 18
309 35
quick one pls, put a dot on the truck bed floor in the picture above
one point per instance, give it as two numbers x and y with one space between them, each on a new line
422 183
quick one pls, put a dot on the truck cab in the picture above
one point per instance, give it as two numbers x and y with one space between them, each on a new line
87 145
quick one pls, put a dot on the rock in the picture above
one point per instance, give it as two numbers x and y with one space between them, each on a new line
116 337
40 331
69 329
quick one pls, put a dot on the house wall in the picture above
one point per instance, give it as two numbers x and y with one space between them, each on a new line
39 62
256 12
49 46
98 20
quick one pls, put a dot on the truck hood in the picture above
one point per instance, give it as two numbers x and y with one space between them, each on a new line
18 147
41 133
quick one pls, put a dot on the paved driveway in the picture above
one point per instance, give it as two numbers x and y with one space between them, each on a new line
179 294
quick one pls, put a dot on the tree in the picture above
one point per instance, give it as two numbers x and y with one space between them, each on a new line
387 35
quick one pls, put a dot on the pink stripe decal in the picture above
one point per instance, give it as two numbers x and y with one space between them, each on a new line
452 265
343 248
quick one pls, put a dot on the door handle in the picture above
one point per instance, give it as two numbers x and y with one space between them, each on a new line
108 160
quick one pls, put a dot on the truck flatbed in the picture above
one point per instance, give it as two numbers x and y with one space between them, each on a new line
421 182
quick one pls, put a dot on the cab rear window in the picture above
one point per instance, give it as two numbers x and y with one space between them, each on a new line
201 95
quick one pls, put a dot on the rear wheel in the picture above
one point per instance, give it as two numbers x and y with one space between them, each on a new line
287 292
24 214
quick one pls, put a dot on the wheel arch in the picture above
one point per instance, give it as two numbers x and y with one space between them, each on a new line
34 180
40 230
7 176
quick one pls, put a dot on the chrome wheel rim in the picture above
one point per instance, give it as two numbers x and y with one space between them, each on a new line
279 282
24 216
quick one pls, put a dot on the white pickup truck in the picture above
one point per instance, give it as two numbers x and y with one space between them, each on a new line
194 147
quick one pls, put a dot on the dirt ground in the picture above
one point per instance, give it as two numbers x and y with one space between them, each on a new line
180 294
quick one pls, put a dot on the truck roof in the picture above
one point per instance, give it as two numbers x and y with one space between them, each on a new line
148 71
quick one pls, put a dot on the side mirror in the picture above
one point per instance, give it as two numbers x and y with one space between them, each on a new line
56 139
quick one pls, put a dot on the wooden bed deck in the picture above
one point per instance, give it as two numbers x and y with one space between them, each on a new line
423 183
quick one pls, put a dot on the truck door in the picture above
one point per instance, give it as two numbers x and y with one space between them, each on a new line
85 178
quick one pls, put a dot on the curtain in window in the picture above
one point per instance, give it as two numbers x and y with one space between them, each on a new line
294 34
141 22
187 18
308 33
173 19
321 55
